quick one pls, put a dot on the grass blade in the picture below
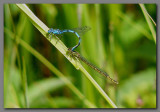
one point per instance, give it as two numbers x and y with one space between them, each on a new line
147 17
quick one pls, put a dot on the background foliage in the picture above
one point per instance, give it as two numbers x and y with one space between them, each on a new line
120 42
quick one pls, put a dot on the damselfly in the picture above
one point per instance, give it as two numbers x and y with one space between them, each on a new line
77 31
77 55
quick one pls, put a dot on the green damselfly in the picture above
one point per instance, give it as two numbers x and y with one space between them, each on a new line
77 55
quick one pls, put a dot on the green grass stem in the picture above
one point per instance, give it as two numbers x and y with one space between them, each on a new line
25 86
149 21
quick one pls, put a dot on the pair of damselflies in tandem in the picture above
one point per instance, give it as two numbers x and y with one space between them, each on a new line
78 32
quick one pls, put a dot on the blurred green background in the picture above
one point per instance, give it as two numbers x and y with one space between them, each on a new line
120 42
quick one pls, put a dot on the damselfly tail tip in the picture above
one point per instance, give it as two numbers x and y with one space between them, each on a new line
116 82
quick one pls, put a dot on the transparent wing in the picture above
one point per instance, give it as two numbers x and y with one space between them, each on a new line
82 30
